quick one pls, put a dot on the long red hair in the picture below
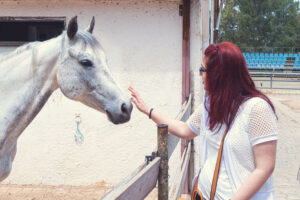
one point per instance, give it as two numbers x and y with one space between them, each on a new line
228 83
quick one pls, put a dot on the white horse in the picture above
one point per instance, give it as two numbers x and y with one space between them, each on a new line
74 62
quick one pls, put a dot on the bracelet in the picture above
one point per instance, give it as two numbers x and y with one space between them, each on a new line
150 113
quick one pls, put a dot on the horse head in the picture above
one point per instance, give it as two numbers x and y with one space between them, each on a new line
83 74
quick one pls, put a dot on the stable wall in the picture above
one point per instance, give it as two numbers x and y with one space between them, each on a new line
142 40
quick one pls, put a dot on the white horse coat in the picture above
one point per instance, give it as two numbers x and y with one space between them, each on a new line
73 62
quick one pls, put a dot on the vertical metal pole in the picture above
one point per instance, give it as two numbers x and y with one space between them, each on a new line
298 175
271 81
162 148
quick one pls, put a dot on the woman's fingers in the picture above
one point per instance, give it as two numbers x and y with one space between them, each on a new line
134 93
137 100
132 90
134 101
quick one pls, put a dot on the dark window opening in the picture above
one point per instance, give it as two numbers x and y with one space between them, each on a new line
17 31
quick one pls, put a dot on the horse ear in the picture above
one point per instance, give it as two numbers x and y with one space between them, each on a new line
91 27
72 27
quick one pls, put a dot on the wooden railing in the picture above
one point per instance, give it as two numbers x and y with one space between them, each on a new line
154 169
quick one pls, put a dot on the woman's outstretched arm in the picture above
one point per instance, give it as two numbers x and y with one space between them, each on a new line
176 127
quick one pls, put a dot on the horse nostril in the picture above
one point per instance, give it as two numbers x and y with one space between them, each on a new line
124 108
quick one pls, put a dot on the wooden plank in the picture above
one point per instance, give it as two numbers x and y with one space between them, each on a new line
140 186
175 192
183 116
124 181
172 143
185 50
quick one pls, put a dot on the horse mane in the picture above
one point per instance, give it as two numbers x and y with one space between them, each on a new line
89 39
19 50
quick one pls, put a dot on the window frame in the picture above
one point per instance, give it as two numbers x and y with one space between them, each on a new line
28 19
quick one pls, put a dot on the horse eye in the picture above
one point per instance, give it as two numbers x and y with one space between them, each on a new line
86 63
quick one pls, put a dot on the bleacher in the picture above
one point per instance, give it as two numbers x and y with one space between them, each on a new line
274 61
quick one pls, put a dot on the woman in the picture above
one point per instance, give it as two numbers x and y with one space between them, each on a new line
249 150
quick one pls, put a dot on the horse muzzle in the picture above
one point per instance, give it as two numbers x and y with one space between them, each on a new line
122 116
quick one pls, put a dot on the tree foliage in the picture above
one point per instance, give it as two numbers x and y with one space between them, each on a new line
261 23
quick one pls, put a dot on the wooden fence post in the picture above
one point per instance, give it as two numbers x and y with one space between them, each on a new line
162 150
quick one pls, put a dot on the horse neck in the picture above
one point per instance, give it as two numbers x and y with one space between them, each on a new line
28 79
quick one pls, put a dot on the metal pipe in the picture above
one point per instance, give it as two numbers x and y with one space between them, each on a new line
266 80
271 83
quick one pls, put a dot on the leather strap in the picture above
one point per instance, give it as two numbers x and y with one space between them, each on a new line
217 168
195 190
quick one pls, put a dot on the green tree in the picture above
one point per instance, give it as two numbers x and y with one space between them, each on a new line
261 23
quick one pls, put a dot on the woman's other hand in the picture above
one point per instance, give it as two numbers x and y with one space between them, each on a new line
138 101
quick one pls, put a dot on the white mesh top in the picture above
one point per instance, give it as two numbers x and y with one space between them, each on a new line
260 124
254 123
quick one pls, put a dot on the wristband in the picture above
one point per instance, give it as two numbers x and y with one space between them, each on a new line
150 113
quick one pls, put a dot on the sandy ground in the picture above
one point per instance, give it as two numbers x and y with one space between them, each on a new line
39 192
285 175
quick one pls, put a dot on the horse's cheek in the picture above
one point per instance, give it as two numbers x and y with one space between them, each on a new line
69 83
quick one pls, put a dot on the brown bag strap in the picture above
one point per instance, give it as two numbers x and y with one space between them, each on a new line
217 168
195 190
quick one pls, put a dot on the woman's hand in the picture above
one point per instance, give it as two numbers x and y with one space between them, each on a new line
176 127
138 101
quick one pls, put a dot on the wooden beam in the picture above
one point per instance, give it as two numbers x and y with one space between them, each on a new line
140 186
124 182
177 190
183 116
185 59
216 13
185 50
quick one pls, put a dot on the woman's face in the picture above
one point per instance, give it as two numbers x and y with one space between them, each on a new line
202 72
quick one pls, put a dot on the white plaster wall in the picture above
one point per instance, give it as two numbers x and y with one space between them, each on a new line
142 40
199 42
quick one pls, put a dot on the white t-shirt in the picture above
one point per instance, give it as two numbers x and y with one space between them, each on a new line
254 123
205 179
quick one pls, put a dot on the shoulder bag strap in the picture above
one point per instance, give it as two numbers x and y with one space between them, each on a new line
217 168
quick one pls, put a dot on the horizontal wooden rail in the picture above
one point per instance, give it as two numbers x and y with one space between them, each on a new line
183 116
176 189
124 182
139 186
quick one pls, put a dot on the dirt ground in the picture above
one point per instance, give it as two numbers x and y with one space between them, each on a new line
96 191
42 192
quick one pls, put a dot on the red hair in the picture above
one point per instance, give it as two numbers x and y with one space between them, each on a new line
228 83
